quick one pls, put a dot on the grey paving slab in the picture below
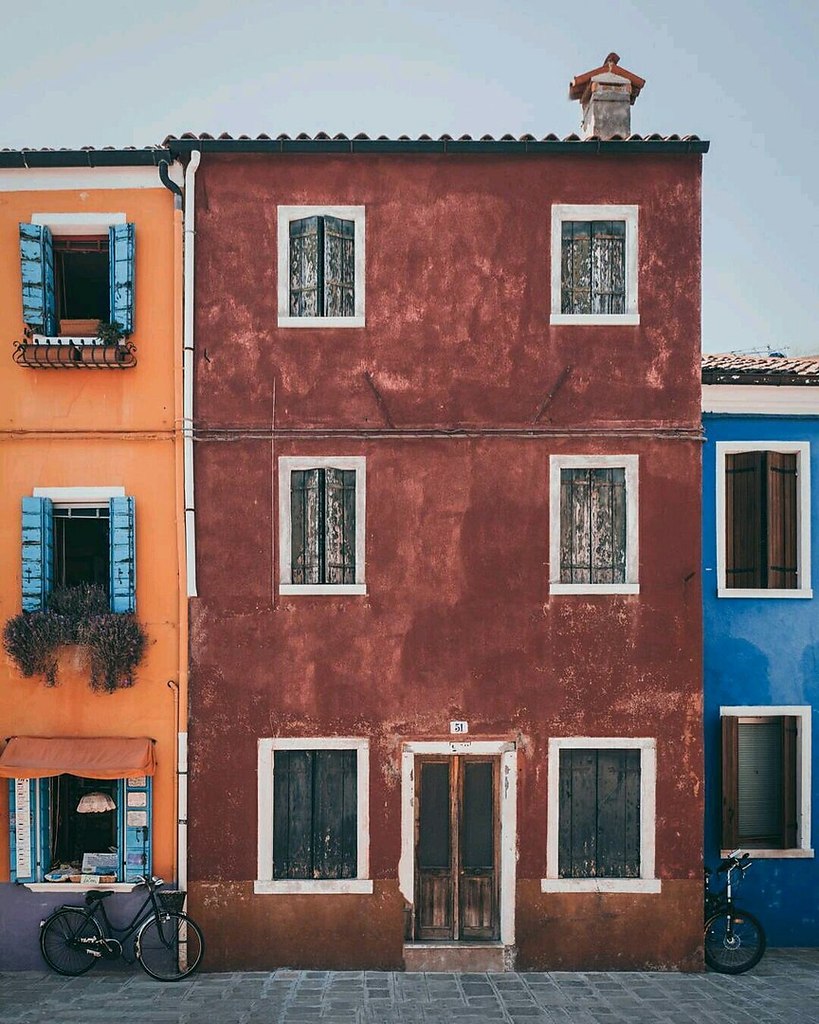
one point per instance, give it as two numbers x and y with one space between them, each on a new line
783 989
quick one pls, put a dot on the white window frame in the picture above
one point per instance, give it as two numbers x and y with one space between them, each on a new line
647 882
562 212
288 463
285 215
629 463
265 884
802 451
802 714
74 224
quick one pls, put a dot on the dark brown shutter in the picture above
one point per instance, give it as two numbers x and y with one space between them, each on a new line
745 547
730 783
789 806
782 517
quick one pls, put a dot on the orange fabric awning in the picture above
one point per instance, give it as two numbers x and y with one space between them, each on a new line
90 757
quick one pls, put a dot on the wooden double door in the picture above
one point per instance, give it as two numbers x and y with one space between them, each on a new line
456 848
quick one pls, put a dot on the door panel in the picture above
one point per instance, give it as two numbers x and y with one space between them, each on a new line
456 846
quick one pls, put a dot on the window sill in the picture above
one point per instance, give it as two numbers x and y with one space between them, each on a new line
796 854
592 319
594 588
646 885
321 321
79 886
314 887
327 589
731 592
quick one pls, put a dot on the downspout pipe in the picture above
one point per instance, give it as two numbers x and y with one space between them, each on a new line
187 369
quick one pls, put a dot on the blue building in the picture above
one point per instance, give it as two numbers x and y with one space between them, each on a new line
761 631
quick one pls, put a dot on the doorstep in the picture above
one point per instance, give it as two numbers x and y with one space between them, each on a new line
458 957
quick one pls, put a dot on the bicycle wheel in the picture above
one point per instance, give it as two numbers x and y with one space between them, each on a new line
738 951
169 946
64 941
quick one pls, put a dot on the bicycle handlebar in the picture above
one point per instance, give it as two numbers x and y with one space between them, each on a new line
149 881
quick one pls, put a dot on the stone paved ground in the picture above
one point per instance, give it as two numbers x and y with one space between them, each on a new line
783 989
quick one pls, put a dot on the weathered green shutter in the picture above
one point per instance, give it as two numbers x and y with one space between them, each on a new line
599 814
121 247
134 827
37 271
37 553
593 525
340 525
315 814
122 555
306 283
339 267
23 828
306 526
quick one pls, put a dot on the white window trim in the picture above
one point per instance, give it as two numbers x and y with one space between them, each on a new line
630 463
647 882
285 215
507 752
802 451
629 214
83 224
79 497
288 463
265 884
802 714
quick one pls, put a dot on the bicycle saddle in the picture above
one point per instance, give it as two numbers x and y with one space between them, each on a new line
97 897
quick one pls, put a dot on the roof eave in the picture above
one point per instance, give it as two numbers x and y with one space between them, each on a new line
39 158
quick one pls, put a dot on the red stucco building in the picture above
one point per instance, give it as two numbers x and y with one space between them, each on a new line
445 624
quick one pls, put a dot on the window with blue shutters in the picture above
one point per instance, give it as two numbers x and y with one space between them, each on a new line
73 283
66 545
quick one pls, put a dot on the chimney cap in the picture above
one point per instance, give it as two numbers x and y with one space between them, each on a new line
581 85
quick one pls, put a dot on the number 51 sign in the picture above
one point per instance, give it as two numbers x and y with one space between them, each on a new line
459 727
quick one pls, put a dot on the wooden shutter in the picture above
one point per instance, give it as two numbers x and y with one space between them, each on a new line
23 828
575 290
339 525
121 249
339 267
122 554
37 271
315 814
306 526
730 783
593 525
306 267
37 553
134 820
608 266
745 554
599 817
790 808
782 520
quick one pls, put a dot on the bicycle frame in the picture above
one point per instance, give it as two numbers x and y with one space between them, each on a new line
142 915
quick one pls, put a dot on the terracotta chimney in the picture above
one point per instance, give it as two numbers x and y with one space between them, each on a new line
606 95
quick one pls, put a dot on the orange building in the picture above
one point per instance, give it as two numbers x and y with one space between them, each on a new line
91 532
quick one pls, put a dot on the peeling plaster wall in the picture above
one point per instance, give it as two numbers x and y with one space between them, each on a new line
760 651
458 622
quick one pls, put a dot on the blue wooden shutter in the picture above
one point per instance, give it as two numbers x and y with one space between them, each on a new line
122 553
37 270
38 553
134 827
23 826
121 245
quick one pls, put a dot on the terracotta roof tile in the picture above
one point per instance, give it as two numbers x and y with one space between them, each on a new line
729 368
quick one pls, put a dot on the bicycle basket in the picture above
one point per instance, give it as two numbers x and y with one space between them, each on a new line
171 899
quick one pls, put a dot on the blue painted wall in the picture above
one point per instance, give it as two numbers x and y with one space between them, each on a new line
761 651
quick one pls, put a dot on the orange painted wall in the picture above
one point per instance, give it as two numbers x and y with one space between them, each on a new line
102 427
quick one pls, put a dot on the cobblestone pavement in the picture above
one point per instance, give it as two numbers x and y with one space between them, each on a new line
783 988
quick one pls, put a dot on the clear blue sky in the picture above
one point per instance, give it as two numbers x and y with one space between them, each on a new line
743 75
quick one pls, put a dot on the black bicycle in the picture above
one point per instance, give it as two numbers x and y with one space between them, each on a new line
734 940
168 944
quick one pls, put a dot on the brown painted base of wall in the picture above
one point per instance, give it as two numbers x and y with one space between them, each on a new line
554 931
